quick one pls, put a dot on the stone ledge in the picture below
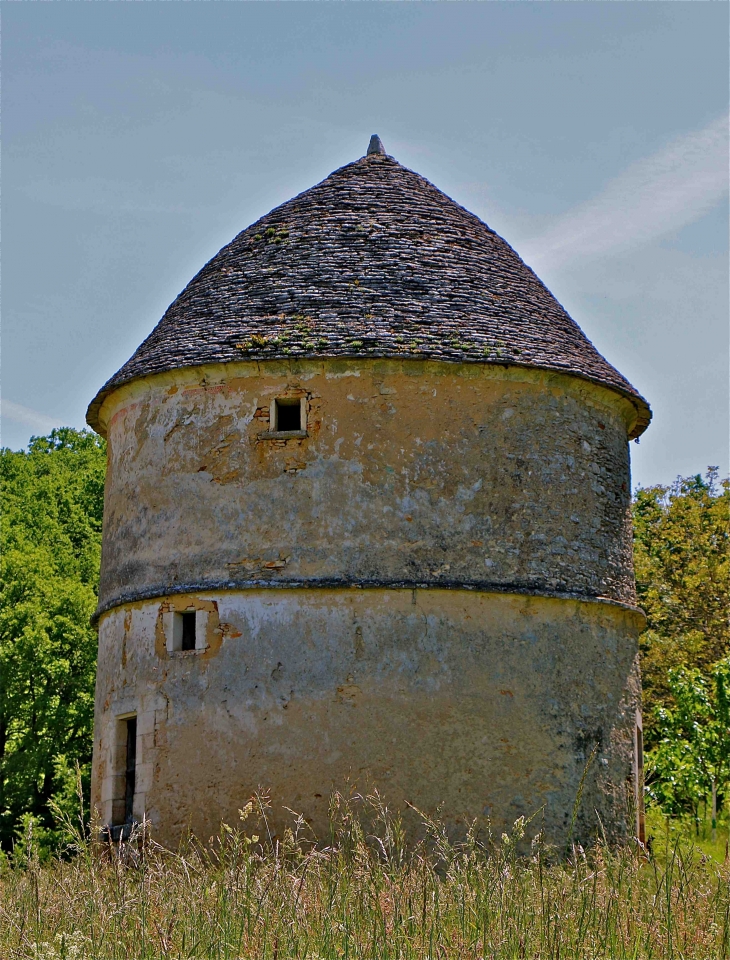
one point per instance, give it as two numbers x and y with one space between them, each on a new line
481 586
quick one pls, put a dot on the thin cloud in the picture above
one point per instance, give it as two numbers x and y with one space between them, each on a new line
652 197
27 417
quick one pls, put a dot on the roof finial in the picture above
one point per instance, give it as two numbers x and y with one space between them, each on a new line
375 145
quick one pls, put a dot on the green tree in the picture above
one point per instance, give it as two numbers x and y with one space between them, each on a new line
52 498
681 541
691 760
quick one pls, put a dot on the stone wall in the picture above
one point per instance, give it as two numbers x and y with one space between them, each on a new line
489 704
404 596
410 473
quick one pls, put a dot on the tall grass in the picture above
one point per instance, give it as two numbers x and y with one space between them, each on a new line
366 894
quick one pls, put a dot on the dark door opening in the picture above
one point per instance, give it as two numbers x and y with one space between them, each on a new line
640 814
130 770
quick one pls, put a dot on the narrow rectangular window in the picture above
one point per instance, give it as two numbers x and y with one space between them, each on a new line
187 641
130 770
288 415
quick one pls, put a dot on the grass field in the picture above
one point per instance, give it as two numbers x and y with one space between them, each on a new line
367 894
665 831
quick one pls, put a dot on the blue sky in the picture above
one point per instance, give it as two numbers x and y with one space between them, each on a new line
141 137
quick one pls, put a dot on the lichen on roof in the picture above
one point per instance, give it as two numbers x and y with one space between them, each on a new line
374 261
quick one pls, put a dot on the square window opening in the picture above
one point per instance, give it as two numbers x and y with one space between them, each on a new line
185 630
288 415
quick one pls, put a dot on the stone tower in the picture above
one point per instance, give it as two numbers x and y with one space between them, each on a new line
367 521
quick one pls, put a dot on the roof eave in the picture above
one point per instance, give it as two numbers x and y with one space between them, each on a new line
643 410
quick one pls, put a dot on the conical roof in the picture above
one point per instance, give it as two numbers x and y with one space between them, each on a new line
374 261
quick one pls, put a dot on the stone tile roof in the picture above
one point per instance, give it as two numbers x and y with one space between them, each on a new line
374 261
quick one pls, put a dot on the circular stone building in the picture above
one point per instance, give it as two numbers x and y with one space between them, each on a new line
367 522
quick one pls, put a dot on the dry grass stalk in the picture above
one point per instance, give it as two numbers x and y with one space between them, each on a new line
367 894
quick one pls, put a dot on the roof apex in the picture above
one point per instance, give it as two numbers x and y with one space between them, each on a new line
375 146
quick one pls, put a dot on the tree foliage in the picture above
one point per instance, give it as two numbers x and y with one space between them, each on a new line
50 536
681 542
691 760
681 546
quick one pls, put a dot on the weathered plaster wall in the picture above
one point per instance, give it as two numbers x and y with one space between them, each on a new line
487 703
323 662
411 473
